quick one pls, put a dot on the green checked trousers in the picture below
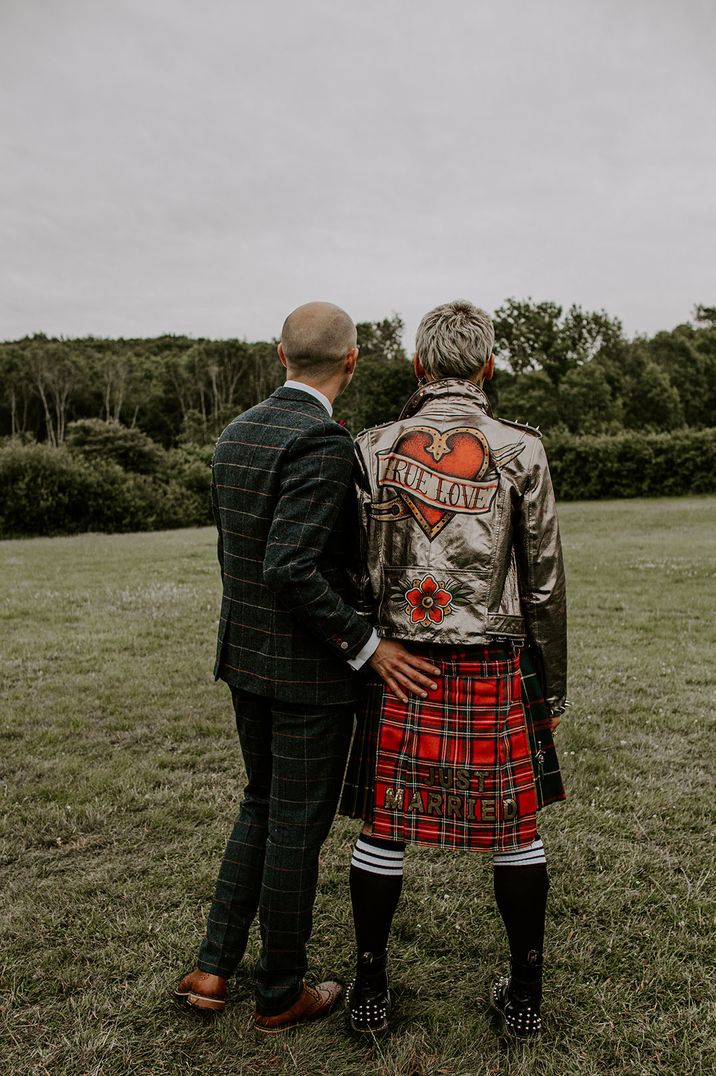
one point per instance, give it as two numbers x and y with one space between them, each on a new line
295 757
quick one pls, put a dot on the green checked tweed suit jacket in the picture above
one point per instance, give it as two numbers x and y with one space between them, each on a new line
282 492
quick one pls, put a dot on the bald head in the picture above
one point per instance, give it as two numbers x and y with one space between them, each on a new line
316 338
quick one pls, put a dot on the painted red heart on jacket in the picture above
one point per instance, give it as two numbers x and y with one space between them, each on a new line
459 453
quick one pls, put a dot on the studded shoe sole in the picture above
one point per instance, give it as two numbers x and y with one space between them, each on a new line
518 1020
369 1016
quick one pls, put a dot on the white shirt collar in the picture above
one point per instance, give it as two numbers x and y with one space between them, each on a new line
311 392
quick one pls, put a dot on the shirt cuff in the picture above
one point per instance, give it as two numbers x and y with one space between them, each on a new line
367 652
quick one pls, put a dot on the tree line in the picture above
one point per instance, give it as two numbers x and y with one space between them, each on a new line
568 370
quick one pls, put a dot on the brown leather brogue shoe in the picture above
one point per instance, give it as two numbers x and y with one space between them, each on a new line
313 1004
202 991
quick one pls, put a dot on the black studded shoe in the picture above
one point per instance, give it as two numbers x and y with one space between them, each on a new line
368 996
515 1000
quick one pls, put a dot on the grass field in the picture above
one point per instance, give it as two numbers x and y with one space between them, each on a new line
121 775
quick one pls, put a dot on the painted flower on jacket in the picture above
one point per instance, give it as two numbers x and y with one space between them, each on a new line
428 599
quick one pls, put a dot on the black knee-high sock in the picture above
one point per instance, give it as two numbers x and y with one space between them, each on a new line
376 879
521 887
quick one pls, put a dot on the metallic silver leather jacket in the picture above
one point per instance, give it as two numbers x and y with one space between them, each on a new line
460 531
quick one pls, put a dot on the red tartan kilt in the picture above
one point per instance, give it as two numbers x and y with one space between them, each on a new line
453 769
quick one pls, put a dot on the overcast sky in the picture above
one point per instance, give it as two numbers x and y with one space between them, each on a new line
204 166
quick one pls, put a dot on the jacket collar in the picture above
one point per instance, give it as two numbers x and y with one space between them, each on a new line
299 396
447 388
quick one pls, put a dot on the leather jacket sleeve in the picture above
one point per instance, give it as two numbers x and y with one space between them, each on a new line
360 576
541 575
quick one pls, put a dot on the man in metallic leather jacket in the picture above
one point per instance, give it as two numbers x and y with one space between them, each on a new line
462 559
502 576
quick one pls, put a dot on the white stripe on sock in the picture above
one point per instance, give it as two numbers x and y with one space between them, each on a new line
532 855
386 853
521 852
519 861
372 869
367 857
369 863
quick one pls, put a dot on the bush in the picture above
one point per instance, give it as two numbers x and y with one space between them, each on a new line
132 449
46 491
43 491
632 464
191 466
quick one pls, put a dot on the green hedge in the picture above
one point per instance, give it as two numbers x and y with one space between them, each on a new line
632 464
46 491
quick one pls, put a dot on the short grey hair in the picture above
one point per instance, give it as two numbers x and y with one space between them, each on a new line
455 340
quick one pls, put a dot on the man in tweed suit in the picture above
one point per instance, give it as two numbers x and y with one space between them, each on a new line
288 646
